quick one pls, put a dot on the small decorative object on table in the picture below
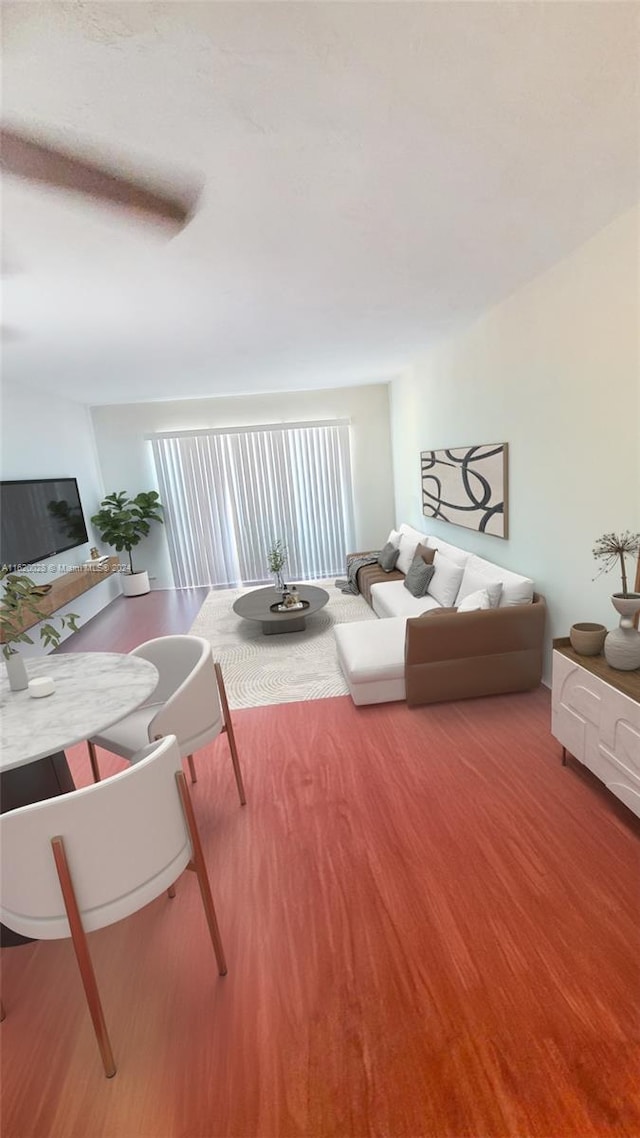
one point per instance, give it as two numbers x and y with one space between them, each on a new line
281 607
276 560
291 599
587 639
622 644
41 686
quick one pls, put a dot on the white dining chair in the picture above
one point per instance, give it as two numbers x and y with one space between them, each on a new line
81 861
189 702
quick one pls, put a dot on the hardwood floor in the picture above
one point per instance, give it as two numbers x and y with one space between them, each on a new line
431 928
129 621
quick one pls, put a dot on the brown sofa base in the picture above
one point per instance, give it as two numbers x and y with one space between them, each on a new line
469 679
451 655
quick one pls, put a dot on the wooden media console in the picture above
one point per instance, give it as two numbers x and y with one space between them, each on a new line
66 588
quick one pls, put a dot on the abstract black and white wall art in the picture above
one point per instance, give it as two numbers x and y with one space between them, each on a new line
467 486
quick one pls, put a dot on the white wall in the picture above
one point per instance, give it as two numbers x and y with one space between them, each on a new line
126 461
553 371
47 437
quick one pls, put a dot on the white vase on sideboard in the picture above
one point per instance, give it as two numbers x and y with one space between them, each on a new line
622 644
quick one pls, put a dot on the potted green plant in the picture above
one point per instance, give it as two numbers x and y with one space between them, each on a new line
21 604
123 522
276 560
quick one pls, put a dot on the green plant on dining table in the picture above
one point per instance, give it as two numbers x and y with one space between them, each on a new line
613 548
20 603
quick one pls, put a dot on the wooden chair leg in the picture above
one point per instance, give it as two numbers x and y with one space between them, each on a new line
2 1011
171 892
81 947
93 759
228 727
200 867
192 769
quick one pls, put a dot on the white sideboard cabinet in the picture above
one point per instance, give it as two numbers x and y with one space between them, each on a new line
595 715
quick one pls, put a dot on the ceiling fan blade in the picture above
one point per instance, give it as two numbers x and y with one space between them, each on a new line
37 161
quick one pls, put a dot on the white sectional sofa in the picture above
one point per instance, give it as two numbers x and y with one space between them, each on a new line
424 650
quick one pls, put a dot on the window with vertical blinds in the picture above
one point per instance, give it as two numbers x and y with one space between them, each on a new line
228 495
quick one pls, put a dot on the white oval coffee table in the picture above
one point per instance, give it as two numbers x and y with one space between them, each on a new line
257 605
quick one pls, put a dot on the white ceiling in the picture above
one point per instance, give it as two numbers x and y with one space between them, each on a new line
375 175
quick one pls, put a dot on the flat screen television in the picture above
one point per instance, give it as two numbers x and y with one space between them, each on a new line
39 517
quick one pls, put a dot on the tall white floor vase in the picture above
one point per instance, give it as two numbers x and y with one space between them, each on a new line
622 644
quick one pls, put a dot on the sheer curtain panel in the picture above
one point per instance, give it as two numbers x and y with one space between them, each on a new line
228 495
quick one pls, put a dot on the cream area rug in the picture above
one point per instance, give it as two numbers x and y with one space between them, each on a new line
285 668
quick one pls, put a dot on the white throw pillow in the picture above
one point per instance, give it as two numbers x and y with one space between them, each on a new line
481 574
475 601
444 584
407 547
394 538
460 556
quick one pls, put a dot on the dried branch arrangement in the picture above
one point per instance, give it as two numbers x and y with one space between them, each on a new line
613 548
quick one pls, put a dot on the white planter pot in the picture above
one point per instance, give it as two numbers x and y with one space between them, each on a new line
135 584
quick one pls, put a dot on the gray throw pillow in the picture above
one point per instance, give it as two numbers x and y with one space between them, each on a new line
387 557
418 577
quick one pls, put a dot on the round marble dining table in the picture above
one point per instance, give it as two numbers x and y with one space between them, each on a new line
93 690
